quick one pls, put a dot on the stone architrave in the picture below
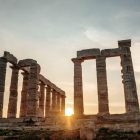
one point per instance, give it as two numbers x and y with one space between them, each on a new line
41 99
3 65
130 90
12 106
102 85
23 105
48 101
78 87
32 94
62 104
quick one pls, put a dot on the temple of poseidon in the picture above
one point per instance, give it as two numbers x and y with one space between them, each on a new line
42 103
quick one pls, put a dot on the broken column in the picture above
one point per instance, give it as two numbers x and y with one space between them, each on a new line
32 95
12 106
23 105
78 87
41 99
102 85
130 90
3 65
48 101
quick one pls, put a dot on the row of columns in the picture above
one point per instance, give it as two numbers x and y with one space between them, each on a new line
32 101
54 103
130 90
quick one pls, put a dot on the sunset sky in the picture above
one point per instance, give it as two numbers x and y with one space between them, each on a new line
51 31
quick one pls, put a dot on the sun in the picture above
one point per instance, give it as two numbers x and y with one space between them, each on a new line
69 112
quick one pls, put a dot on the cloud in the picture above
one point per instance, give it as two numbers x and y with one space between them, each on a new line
51 31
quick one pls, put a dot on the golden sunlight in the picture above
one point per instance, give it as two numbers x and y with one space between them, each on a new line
69 112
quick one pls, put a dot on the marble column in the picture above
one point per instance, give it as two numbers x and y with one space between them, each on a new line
58 102
130 90
3 65
62 104
32 95
48 101
12 106
41 99
103 106
23 105
54 101
78 87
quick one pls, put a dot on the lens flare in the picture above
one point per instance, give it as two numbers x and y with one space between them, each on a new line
69 112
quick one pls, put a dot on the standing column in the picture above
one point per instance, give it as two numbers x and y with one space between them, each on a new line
54 101
130 90
32 95
12 106
3 65
48 101
58 102
41 99
23 105
63 104
78 87
102 85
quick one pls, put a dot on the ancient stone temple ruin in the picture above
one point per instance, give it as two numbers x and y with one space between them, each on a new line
128 78
43 103
39 96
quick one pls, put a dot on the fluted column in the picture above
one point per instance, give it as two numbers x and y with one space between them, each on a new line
62 104
3 65
58 102
54 101
78 87
12 106
48 101
41 99
130 90
32 95
102 85
23 105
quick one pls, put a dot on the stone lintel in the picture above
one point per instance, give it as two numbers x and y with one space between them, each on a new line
124 43
10 57
88 53
50 84
110 52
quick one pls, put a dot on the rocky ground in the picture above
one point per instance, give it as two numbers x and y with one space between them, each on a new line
102 134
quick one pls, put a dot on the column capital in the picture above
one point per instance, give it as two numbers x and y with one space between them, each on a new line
124 43
14 67
63 96
48 88
41 84
77 60
53 90
24 73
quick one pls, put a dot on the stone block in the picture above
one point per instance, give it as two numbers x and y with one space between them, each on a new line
10 58
27 62
88 53
124 43
110 52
